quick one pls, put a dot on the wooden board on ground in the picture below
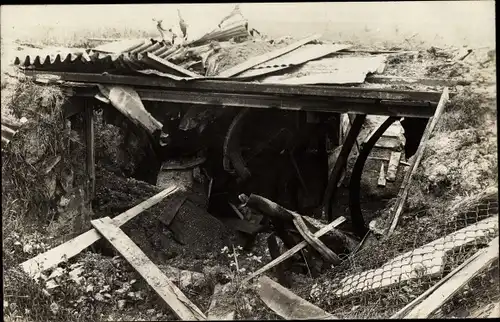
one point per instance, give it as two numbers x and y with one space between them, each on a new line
287 304
289 253
175 299
456 281
36 265
405 186
392 168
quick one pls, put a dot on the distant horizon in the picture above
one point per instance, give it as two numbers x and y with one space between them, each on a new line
449 19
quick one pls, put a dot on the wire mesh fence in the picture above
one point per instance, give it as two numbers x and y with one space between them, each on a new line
384 277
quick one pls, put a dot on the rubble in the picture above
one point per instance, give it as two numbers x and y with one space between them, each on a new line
193 113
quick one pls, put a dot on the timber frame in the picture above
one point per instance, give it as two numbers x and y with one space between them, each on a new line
223 92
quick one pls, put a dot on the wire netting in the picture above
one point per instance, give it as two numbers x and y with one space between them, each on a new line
389 273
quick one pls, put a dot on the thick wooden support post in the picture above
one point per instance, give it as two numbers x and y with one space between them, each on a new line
340 164
90 146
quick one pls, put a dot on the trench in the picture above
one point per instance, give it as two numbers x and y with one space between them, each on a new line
285 153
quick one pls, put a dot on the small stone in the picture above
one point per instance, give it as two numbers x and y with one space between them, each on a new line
54 308
27 248
89 288
151 311
99 297
121 304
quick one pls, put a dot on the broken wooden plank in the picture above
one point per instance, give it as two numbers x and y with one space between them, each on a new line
169 66
173 297
381 177
287 304
392 168
289 253
266 57
237 211
426 305
219 310
73 247
428 260
405 186
317 244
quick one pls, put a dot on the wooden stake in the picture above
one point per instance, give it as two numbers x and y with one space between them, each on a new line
405 186
392 168
175 299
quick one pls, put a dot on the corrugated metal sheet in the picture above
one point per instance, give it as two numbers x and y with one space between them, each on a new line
43 60
236 29
96 62
337 70
299 56
121 46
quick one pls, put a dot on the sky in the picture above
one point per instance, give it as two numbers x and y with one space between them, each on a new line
478 15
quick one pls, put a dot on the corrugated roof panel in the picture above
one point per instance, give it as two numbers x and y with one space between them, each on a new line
299 56
338 70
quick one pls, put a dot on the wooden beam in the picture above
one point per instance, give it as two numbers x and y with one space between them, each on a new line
266 57
405 186
392 168
340 164
381 177
228 86
292 251
173 297
151 58
287 304
276 102
431 300
36 265
90 147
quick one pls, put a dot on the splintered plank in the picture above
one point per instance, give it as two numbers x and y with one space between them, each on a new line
287 304
292 251
266 57
405 186
430 301
381 177
392 168
175 299
36 265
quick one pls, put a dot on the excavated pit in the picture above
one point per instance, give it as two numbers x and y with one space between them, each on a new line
129 171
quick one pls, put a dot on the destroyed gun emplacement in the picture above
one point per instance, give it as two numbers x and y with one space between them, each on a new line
267 132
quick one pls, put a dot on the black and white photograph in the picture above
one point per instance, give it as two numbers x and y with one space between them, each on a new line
249 161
